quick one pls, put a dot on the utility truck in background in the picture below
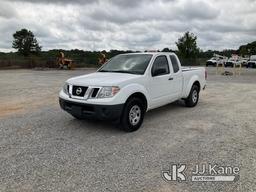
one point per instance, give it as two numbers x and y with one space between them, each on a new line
215 60
235 60
129 85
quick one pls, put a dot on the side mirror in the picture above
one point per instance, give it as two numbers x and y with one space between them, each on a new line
159 71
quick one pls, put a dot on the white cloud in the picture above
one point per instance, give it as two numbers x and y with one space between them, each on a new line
6 10
122 24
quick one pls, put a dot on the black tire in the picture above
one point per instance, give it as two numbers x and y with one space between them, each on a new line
133 111
192 99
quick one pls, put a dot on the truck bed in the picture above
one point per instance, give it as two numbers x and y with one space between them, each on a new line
188 74
184 69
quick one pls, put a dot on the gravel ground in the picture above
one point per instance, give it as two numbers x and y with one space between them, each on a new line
42 148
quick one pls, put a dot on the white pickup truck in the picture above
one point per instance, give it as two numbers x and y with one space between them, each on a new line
128 85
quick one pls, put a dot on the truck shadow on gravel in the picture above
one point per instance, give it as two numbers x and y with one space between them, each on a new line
177 105
112 127
94 125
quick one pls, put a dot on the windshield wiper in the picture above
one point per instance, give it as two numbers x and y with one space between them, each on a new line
123 71
119 71
105 71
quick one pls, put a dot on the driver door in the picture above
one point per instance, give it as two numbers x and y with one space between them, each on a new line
159 87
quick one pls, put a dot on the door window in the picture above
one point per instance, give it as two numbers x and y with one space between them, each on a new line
175 64
160 66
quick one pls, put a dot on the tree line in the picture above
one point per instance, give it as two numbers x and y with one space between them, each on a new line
27 46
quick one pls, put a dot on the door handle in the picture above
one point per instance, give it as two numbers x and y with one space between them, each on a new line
171 78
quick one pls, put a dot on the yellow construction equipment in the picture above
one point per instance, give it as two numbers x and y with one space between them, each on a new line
102 59
65 63
221 67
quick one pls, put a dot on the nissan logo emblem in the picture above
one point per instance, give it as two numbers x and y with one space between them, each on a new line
78 90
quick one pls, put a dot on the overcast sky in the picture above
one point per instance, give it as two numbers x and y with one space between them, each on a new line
129 24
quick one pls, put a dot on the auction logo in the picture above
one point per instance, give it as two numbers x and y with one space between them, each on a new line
202 173
176 173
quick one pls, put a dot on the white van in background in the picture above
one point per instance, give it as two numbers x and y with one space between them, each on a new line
252 62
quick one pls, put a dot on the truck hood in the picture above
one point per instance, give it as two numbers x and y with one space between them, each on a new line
102 79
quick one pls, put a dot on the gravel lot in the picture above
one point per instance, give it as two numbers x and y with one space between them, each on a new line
42 148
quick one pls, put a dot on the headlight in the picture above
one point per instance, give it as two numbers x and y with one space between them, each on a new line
66 88
107 92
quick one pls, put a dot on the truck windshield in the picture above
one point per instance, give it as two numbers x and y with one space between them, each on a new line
133 63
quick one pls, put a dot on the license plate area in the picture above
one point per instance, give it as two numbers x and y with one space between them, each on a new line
77 110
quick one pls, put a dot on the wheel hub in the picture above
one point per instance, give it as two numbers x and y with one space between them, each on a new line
135 115
194 96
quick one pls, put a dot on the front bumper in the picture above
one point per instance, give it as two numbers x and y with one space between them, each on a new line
92 111
210 63
251 64
229 64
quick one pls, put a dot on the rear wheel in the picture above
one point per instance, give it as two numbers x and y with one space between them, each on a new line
193 97
133 115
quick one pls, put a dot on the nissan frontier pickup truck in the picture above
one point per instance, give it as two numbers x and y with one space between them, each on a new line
129 85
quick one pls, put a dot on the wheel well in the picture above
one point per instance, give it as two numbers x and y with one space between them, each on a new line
198 84
140 96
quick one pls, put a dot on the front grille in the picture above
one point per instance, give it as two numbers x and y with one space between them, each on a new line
95 92
79 91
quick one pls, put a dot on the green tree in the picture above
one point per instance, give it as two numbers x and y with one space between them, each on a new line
25 42
187 46
249 49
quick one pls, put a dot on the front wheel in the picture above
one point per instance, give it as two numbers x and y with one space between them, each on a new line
133 115
193 97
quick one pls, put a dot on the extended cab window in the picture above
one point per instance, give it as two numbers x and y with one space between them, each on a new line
160 66
175 64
